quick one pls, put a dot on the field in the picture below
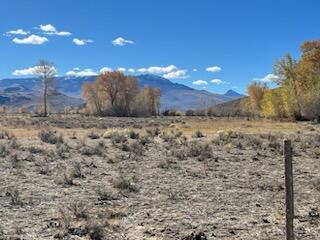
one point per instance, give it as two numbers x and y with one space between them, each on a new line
188 178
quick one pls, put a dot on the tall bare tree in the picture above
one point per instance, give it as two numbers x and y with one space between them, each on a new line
46 72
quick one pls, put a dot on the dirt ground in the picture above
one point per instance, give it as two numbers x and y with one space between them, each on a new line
188 178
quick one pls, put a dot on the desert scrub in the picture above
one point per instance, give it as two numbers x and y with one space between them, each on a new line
62 150
197 148
93 134
4 151
90 151
133 135
76 171
66 179
106 194
198 134
169 136
13 143
15 198
124 183
14 160
50 136
5 134
153 132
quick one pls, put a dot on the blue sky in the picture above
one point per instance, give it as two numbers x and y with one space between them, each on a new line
238 40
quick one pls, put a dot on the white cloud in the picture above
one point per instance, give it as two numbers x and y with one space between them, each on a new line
24 72
195 70
105 69
83 73
30 71
16 32
49 29
81 42
216 81
121 41
268 78
213 69
182 74
169 72
121 69
32 39
200 82
59 33
131 70
159 70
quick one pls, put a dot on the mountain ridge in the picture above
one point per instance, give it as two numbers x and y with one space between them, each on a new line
173 95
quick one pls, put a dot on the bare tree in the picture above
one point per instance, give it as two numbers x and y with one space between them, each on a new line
46 72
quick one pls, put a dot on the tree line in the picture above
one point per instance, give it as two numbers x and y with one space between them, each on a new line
112 94
115 94
298 93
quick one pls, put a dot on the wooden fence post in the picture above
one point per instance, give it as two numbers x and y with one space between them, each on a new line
287 153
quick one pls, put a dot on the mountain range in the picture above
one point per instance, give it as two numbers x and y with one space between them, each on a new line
18 92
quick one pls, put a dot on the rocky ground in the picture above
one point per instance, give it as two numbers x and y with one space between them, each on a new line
153 179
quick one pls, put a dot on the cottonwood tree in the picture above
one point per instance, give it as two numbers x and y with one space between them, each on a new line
256 91
111 84
94 101
46 72
116 94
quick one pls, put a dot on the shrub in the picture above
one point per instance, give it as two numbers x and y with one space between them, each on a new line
4 134
124 183
171 112
15 198
50 136
153 132
3 150
93 135
197 148
190 113
133 135
90 151
198 134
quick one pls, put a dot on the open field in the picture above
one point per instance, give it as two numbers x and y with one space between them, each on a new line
75 177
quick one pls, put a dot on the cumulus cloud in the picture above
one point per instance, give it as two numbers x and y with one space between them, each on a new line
49 29
16 32
81 73
105 69
200 82
169 72
81 42
182 74
195 70
131 70
268 78
29 71
213 69
32 39
121 69
216 81
121 41
24 72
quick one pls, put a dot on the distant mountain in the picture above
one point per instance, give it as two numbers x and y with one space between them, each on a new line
19 92
234 94
16 95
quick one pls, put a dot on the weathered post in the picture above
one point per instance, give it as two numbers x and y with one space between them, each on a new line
287 153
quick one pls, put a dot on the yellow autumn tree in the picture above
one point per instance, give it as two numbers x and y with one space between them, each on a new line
256 91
